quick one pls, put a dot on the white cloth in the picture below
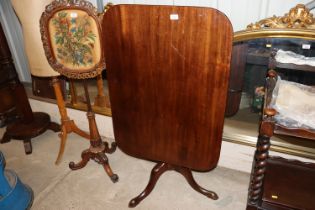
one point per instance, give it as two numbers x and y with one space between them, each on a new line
294 101
291 57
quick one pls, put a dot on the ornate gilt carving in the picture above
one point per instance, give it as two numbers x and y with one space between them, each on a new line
107 6
299 17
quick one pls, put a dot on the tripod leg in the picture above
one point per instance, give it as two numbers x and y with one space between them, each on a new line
190 179
54 126
6 138
27 146
86 155
111 149
102 159
63 139
156 172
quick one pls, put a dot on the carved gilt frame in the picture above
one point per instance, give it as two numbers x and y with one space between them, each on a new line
298 23
52 9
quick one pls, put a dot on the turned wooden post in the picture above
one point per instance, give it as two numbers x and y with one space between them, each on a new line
67 125
260 157
60 100
266 130
101 100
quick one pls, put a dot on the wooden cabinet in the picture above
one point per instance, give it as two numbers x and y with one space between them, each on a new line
14 104
288 183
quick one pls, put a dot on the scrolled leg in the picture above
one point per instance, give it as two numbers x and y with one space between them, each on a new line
102 159
111 149
86 155
156 172
190 179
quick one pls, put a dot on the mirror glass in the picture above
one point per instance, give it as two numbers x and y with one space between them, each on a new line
242 125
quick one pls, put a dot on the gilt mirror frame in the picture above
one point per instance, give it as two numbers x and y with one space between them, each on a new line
298 23
71 5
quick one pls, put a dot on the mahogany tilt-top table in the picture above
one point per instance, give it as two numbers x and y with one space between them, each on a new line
168 72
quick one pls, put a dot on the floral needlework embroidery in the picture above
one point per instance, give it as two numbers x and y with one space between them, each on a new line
74 38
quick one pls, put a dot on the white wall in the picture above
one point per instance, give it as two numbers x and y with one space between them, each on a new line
240 12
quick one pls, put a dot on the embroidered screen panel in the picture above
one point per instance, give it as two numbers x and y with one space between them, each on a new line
75 39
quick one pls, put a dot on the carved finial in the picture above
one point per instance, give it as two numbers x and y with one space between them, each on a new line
272 73
298 17
107 6
270 112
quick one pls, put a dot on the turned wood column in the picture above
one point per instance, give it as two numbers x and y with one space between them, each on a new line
59 98
260 157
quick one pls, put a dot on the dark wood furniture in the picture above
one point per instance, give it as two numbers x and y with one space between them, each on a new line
278 183
238 66
70 32
168 73
29 124
8 112
43 87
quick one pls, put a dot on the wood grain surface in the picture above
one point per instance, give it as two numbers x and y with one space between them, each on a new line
168 81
